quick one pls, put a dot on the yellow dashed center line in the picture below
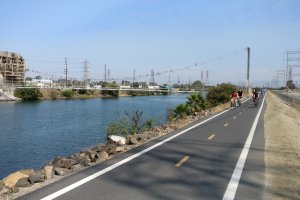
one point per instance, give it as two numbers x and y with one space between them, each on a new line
226 124
184 159
211 137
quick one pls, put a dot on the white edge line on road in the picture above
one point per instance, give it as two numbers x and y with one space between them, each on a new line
103 171
235 178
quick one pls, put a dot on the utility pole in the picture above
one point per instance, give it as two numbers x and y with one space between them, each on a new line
248 68
66 72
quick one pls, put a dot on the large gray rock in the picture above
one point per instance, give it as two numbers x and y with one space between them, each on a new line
131 140
78 156
57 162
76 167
6 192
49 172
68 163
102 156
37 177
60 171
85 161
113 139
23 182
98 148
11 180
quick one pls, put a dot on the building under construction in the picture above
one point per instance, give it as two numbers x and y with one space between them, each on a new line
12 68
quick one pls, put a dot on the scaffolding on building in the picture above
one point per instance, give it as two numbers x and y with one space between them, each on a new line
12 68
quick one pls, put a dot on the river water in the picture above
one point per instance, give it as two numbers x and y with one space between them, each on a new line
32 133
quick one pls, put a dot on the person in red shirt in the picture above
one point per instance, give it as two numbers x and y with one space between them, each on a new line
233 99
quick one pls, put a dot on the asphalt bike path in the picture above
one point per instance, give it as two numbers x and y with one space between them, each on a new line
206 160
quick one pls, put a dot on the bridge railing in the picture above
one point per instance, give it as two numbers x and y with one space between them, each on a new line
290 98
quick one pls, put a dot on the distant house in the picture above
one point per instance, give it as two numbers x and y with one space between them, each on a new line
98 87
155 87
42 83
125 87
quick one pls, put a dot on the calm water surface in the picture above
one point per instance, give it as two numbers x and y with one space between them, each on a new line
32 133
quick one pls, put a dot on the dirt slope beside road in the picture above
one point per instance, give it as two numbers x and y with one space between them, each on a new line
282 150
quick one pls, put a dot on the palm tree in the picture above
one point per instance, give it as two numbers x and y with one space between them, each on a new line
196 102
181 110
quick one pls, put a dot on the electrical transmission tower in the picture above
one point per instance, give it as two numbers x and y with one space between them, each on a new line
201 76
207 77
66 72
292 65
105 80
152 78
108 75
85 73
133 78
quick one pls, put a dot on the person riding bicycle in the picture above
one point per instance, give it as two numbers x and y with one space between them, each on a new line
254 94
233 99
240 96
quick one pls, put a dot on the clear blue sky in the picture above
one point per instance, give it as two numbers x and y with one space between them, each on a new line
153 34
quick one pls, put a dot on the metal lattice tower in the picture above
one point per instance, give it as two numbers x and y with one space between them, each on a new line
133 78
292 65
207 77
108 75
105 80
85 73
152 77
66 72
201 76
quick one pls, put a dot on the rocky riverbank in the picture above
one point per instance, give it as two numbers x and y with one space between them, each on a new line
7 96
24 181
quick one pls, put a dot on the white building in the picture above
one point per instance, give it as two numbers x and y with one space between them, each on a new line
42 83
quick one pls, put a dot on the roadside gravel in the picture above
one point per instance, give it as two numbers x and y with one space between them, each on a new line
282 150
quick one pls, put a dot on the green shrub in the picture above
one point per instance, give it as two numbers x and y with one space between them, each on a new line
119 127
68 93
27 94
113 93
219 94
132 93
82 91
129 124
181 110
53 94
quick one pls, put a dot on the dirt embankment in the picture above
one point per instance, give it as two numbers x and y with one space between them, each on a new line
282 150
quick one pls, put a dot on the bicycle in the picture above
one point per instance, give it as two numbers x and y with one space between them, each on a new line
239 101
255 101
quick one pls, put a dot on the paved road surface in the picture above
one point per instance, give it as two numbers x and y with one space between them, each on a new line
195 164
